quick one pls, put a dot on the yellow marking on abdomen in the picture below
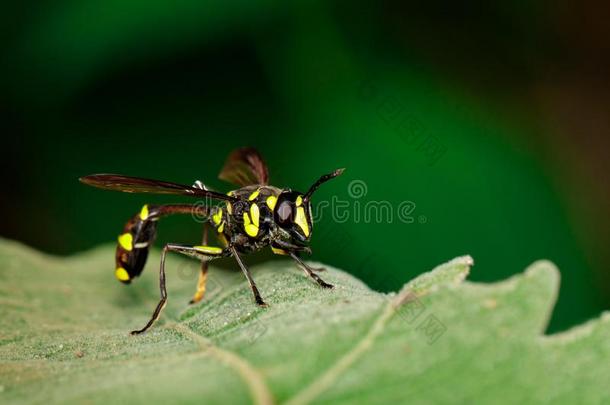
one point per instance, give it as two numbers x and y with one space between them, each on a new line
126 241
144 213
121 274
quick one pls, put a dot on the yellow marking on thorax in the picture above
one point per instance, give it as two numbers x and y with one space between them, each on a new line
299 201
217 217
301 221
213 250
254 214
144 213
254 195
126 241
271 201
251 221
121 274
229 208
251 230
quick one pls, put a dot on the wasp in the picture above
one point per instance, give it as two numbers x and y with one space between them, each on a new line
248 219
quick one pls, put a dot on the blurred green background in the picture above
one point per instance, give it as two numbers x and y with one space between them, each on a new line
491 120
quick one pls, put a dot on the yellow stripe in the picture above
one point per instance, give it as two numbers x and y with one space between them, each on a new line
126 241
254 195
221 228
299 201
254 213
144 213
217 217
251 230
271 201
121 274
213 250
278 251
249 227
301 221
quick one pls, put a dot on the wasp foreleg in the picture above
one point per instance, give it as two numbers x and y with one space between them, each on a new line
310 271
290 247
244 269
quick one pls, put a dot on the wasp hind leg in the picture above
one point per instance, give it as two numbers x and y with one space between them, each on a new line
310 271
200 252
203 273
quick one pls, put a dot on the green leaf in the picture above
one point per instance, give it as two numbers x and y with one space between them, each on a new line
64 337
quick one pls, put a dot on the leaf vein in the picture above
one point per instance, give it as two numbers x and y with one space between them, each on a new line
255 381
324 381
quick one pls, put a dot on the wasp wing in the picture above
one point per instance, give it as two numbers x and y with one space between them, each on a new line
245 166
130 184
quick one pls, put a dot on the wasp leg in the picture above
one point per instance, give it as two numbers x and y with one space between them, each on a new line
244 269
199 252
310 271
203 274
314 269
290 247
280 247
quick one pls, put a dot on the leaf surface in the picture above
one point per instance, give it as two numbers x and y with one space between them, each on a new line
64 337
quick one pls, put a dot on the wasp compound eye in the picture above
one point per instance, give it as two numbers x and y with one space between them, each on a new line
285 213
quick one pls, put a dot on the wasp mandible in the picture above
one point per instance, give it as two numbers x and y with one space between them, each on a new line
253 217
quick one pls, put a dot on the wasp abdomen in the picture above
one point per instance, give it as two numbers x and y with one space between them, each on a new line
138 235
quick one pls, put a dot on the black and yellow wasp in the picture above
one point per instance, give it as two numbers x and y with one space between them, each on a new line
252 217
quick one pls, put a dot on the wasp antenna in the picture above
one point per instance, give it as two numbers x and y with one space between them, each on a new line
321 180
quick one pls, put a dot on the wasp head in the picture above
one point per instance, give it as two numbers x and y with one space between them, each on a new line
292 211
